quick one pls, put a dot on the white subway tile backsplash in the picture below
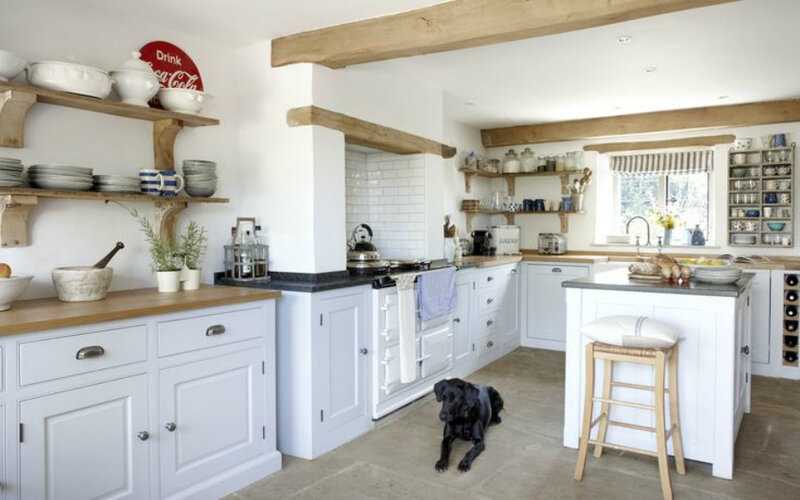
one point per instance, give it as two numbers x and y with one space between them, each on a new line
388 192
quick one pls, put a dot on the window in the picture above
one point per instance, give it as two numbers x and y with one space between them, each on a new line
677 183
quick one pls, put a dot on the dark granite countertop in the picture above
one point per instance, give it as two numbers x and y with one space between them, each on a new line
311 282
618 280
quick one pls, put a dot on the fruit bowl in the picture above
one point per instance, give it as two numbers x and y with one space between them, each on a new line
11 289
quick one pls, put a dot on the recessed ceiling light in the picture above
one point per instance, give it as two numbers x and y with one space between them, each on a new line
650 69
617 108
469 103
723 97
624 39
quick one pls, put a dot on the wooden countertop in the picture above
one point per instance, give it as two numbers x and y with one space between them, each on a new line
484 261
44 314
566 258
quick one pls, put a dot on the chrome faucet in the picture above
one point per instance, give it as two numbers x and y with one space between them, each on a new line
628 227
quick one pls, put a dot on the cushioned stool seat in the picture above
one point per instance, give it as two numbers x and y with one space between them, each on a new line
632 339
631 331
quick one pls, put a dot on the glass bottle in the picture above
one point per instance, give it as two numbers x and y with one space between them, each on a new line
246 256
259 255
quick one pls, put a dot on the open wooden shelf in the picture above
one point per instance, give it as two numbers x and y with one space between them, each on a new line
17 98
511 178
17 203
510 216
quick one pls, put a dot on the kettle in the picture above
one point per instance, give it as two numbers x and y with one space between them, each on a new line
361 247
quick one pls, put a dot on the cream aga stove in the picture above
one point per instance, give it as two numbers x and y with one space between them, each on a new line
432 346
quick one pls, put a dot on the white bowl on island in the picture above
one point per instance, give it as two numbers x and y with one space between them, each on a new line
12 288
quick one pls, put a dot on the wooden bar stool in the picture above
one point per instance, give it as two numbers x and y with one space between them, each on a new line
640 340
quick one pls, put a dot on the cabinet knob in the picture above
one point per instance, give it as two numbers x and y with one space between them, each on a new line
143 435
489 278
215 330
456 320
514 271
556 270
490 343
746 350
489 300
170 426
92 351
489 322
363 350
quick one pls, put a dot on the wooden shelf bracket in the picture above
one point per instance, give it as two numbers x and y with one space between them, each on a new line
14 211
14 106
564 217
164 133
166 216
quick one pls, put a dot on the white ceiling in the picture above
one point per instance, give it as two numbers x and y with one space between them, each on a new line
746 50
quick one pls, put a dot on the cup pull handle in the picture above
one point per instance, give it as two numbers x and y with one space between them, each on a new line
215 330
92 351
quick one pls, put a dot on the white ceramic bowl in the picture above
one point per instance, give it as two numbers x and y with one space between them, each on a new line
739 158
69 77
200 191
135 87
82 283
11 65
183 100
11 289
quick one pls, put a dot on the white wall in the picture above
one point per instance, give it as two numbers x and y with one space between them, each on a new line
66 232
581 235
464 138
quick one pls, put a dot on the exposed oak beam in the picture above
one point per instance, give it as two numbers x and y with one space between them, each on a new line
735 115
706 140
460 24
366 133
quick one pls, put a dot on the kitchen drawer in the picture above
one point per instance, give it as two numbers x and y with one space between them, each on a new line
489 322
436 351
50 359
494 276
490 299
488 344
201 332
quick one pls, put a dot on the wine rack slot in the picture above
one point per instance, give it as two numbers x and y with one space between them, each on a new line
791 317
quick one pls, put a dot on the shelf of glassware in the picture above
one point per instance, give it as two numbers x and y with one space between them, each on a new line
510 216
761 184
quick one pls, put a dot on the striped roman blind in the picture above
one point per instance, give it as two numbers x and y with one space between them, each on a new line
683 162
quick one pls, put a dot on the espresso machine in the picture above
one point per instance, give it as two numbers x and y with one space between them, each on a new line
482 243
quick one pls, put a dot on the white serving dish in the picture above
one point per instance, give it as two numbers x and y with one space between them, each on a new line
183 100
82 283
11 65
12 288
69 77
135 81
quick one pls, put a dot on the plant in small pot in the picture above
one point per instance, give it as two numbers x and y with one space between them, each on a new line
667 221
166 258
192 248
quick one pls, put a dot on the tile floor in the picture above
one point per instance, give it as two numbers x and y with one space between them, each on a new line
524 457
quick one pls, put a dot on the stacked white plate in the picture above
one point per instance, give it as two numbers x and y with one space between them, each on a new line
724 275
10 172
60 177
116 184
200 177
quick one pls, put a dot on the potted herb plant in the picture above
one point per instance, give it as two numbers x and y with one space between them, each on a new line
667 221
165 256
192 248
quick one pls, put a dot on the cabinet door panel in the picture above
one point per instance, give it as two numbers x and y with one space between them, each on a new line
760 311
462 344
435 351
217 407
547 308
342 366
82 443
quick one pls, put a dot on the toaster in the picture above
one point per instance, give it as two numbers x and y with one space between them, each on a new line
505 239
552 244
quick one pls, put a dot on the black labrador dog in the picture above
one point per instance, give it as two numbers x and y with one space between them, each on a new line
467 410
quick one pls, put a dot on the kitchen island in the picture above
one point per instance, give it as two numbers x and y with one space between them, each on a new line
713 361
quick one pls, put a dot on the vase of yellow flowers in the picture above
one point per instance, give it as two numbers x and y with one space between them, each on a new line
667 221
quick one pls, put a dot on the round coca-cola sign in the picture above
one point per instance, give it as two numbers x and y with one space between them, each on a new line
173 66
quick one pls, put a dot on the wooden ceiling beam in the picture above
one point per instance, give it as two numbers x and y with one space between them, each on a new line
712 117
460 24
366 133
684 142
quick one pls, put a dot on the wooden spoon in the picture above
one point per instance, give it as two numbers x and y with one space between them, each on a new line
105 260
